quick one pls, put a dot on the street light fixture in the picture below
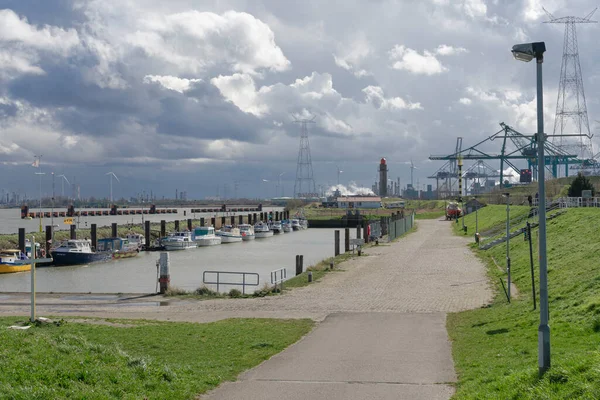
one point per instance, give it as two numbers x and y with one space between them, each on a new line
527 52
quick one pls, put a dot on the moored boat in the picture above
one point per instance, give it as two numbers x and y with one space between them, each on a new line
276 227
205 236
247 232
286 225
296 224
9 259
229 234
136 239
303 223
77 252
178 241
261 230
118 247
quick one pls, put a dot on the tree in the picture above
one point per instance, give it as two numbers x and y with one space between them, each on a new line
579 184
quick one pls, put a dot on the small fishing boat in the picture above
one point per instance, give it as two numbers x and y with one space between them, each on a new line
276 227
303 223
296 224
136 239
77 252
118 247
286 225
247 232
262 230
229 234
8 259
178 241
205 236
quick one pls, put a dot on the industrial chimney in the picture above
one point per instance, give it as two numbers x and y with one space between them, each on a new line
383 170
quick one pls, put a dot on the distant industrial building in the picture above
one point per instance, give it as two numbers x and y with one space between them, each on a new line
359 202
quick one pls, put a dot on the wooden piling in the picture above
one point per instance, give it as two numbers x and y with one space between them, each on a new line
277 216
48 241
94 234
189 224
73 231
146 234
163 228
298 265
347 240
213 222
114 230
22 240
232 219
240 219
177 225
202 221
336 243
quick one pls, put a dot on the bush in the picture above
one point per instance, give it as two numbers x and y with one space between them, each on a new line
235 293
204 291
579 184
175 291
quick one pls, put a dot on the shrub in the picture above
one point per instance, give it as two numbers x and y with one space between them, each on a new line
175 291
204 291
235 293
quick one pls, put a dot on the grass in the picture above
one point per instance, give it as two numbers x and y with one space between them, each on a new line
490 217
495 348
430 215
137 359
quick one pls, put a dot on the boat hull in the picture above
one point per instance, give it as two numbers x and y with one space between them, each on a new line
125 254
61 258
10 268
174 246
203 242
247 238
231 239
261 235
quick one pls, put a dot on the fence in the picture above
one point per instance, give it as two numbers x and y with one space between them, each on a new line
395 226
222 276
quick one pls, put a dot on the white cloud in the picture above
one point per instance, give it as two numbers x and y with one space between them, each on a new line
474 8
241 91
374 95
350 57
195 41
445 50
11 62
172 82
410 60
466 101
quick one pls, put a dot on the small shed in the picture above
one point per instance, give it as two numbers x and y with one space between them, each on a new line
472 205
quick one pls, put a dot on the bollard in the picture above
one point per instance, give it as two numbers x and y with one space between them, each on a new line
176 225
189 223
202 221
73 231
298 265
347 240
22 241
146 234
48 240
164 277
331 265
465 229
336 244
163 228
94 235
359 250
309 276
113 230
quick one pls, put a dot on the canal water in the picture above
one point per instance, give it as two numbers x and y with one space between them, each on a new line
139 274
11 218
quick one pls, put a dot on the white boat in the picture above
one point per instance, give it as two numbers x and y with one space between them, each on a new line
178 241
229 234
304 223
296 225
286 225
205 236
276 227
261 230
247 232
136 239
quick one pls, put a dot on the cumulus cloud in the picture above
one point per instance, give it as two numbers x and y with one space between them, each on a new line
410 60
241 91
375 96
465 100
172 82
352 56
445 50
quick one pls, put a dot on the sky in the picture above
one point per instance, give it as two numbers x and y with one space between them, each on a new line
201 95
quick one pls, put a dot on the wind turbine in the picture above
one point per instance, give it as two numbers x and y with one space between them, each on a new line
412 168
63 179
111 175
339 171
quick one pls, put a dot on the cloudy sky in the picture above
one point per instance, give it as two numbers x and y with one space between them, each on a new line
198 94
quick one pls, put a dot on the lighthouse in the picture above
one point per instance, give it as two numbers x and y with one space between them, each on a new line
383 170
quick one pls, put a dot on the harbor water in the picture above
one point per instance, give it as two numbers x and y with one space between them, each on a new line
139 274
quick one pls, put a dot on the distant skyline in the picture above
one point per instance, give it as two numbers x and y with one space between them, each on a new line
193 95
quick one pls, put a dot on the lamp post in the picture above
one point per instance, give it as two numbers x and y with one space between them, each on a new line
527 52
507 195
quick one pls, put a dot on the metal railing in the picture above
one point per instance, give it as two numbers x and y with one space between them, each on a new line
220 281
278 277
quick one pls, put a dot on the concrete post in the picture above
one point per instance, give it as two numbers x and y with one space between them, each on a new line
347 240
94 234
113 230
336 242
73 231
165 278
22 240
298 265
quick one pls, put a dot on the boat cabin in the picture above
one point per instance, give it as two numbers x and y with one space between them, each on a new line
75 246
204 231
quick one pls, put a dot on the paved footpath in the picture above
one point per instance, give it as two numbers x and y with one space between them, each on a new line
381 331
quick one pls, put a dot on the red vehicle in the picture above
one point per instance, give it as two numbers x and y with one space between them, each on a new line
453 211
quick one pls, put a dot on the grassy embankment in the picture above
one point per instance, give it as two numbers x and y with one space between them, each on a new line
135 359
491 216
495 348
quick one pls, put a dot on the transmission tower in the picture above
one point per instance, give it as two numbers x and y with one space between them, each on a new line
570 105
305 183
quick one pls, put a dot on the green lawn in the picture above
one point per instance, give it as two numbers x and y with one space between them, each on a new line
491 216
135 359
495 348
